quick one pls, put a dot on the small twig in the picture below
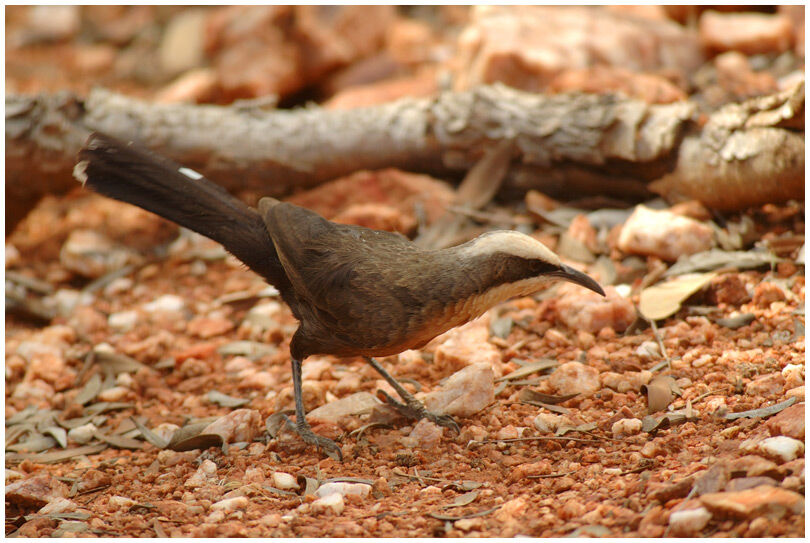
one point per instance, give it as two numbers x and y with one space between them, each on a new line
667 362
535 438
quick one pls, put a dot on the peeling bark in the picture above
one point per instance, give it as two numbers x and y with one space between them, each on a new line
568 145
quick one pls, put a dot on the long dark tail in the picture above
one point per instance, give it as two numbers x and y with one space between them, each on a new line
135 175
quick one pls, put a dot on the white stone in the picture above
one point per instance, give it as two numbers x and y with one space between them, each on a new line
344 489
689 522
284 481
123 321
114 394
663 234
333 502
230 504
82 434
547 422
167 303
626 427
781 448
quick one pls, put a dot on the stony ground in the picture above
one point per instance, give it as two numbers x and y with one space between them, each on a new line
581 466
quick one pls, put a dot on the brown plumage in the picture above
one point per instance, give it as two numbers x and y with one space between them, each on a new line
355 291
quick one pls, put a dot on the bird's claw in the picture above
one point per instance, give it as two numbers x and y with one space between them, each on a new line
415 410
324 444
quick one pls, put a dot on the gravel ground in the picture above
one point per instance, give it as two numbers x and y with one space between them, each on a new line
590 465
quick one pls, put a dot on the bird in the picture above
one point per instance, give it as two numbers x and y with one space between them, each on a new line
354 291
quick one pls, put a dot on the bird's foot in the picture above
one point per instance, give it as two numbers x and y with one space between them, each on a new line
413 409
324 444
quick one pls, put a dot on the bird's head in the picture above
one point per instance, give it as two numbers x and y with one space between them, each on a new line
518 264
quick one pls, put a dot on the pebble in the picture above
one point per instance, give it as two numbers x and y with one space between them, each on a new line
331 502
575 378
766 385
425 435
238 425
230 504
202 476
121 502
284 481
165 430
663 234
749 33
35 492
168 303
780 448
770 501
547 422
465 393
91 254
744 483
467 345
82 434
626 427
344 489
790 422
358 403
794 375
114 394
581 309
123 321
58 505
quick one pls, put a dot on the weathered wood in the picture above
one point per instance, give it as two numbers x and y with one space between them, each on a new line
567 145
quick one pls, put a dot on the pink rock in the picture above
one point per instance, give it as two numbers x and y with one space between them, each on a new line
749 33
239 425
466 345
575 378
773 502
581 309
663 234
358 403
35 492
465 393
426 434
377 217
789 422
524 47
652 88
766 385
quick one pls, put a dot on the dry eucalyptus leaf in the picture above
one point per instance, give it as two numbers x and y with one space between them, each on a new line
149 435
214 396
660 392
250 349
90 390
664 299
309 484
737 321
528 369
200 441
119 442
762 411
34 444
464 499
117 363
587 427
530 395
714 259
59 434
57 456
103 407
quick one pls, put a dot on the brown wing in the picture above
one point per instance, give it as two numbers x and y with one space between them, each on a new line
346 273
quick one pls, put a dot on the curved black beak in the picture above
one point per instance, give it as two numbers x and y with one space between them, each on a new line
575 276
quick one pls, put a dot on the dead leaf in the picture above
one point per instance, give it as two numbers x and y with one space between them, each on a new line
584 428
463 499
660 392
119 442
451 518
528 369
57 456
309 484
762 411
529 395
738 321
149 435
714 259
214 396
200 441
90 390
116 363
59 434
664 299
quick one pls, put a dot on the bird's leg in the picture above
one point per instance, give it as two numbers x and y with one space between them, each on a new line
411 408
301 425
